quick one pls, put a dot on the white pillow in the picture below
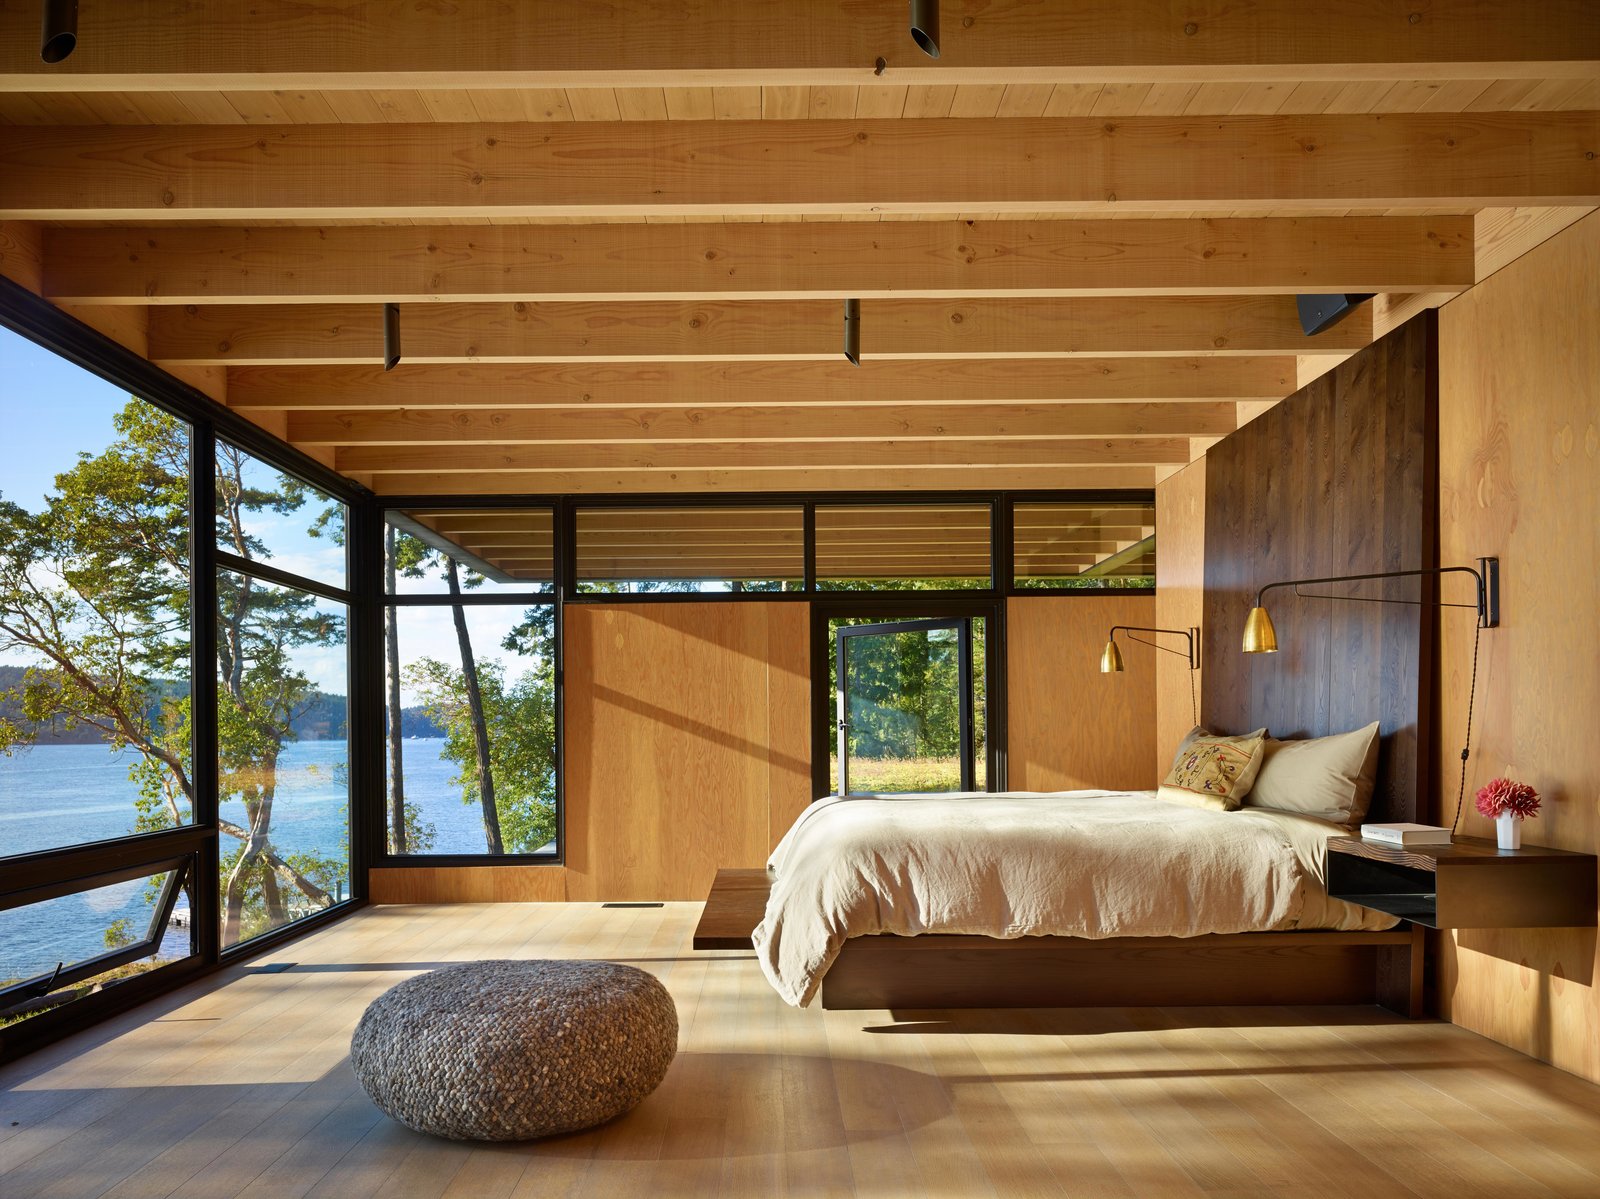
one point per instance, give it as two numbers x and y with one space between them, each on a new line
1329 778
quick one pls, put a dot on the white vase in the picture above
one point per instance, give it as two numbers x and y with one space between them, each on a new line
1508 830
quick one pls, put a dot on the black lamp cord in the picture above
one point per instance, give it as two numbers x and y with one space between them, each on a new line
1472 692
1194 704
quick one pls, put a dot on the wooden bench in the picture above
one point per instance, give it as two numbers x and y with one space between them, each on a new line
939 971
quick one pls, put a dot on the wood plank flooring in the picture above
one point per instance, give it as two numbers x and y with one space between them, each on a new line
241 1086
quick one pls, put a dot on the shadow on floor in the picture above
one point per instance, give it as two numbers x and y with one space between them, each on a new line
420 967
1077 1022
763 1104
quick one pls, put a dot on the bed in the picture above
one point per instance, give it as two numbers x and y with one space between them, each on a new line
1082 898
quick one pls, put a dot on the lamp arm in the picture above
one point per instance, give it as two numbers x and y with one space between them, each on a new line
1488 616
1188 635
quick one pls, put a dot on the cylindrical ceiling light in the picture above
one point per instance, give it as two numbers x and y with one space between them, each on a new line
60 35
925 26
852 331
391 336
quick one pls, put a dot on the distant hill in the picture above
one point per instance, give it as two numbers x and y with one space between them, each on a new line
322 720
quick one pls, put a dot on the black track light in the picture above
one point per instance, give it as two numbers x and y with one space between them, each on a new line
391 336
60 36
925 26
852 331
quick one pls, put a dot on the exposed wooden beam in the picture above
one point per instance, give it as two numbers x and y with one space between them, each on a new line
733 481
1502 235
153 44
225 335
463 387
1086 164
757 423
22 254
762 455
378 264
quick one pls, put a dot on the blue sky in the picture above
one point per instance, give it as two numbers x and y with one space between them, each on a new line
49 410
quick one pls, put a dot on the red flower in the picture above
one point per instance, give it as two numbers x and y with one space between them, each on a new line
1503 795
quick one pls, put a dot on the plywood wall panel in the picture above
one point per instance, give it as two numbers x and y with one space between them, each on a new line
1180 601
1519 478
1069 725
789 725
467 884
687 735
1336 480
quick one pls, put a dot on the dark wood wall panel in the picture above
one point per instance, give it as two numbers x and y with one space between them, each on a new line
1338 479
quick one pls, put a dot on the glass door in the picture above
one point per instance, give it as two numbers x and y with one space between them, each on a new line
904 718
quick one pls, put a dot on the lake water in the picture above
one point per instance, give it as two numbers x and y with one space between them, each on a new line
60 795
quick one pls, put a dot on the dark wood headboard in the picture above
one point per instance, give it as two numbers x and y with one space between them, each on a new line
1338 479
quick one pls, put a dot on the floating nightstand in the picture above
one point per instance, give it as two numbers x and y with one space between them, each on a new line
1467 884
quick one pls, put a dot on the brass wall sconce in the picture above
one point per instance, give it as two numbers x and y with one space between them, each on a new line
1261 638
1111 656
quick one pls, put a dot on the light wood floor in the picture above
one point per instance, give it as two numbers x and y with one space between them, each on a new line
242 1086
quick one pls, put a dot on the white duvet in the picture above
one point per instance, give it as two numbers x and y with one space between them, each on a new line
1017 864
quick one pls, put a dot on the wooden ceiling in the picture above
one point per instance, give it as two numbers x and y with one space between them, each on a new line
620 232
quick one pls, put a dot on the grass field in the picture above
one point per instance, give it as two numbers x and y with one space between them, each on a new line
904 774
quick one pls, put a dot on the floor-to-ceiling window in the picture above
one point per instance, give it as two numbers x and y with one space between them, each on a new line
175 616
283 686
96 737
471 746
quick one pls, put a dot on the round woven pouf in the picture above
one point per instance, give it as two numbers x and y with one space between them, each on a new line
511 1050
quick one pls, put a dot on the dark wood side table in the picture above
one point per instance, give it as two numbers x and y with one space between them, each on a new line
1469 883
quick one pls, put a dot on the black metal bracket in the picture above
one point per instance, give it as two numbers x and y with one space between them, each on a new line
1487 578
1190 635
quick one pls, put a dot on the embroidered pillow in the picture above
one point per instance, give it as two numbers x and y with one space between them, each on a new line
1215 772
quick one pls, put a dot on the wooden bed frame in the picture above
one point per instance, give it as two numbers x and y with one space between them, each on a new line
938 971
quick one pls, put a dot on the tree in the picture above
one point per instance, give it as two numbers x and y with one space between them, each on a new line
95 588
399 826
500 734
413 558
522 753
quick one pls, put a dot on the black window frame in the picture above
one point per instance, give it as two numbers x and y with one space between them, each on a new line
34 318
1015 498
81 867
379 855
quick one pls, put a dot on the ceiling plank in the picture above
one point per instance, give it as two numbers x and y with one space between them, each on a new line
469 387
272 44
22 254
834 422
735 167
732 481
378 264
763 455
331 334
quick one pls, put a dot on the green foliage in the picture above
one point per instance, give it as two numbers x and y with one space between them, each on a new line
1092 583
421 835
518 714
521 720
903 584
119 934
95 593
905 704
